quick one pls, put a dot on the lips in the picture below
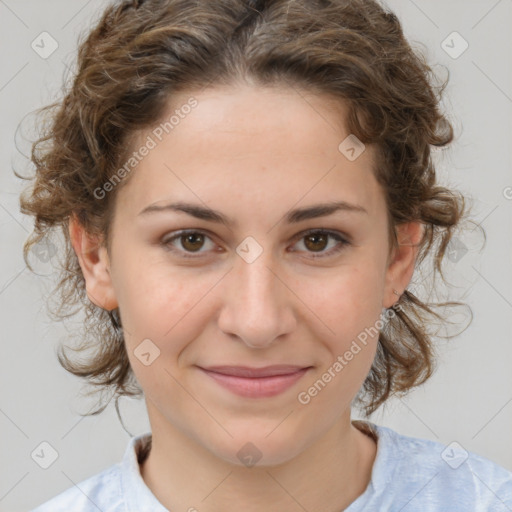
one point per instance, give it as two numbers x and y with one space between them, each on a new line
256 382
255 373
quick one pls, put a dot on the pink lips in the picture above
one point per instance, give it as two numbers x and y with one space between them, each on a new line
256 382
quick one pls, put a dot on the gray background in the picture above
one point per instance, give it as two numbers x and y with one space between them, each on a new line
469 399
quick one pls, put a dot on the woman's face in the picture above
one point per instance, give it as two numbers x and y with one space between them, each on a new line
256 290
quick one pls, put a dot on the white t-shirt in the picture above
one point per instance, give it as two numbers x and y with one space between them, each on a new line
408 474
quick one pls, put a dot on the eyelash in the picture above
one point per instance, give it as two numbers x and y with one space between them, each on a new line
166 242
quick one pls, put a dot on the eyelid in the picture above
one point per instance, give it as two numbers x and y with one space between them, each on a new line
328 231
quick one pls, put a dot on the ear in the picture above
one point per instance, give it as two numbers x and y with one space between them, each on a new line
95 265
402 262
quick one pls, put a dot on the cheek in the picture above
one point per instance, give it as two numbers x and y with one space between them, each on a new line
348 304
345 300
350 311
163 314
168 305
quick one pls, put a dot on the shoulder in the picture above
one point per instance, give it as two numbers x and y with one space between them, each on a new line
98 492
429 471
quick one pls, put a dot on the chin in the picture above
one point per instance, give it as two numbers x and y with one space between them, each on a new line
252 447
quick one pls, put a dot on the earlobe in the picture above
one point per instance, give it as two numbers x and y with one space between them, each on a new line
402 265
94 262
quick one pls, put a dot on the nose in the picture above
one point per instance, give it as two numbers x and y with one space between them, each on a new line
258 305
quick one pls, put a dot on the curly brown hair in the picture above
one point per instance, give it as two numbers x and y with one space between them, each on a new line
140 53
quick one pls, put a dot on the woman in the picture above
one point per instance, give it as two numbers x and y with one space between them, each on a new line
246 190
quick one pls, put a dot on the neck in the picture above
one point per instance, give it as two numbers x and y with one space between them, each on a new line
326 477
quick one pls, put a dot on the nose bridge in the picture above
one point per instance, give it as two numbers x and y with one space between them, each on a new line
258 286
254 307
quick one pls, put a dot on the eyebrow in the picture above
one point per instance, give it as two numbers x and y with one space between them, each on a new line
293 216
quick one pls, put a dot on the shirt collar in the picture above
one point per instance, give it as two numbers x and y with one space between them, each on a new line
383 466
137 495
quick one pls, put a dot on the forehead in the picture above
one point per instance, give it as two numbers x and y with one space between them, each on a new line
251 144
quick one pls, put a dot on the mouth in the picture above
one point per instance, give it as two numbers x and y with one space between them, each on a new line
256 382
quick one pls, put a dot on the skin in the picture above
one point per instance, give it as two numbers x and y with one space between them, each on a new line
253 154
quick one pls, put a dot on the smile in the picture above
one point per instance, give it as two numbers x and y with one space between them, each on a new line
256 382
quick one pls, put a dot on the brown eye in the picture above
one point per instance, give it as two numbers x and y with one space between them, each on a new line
192 241
186 243
316 241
